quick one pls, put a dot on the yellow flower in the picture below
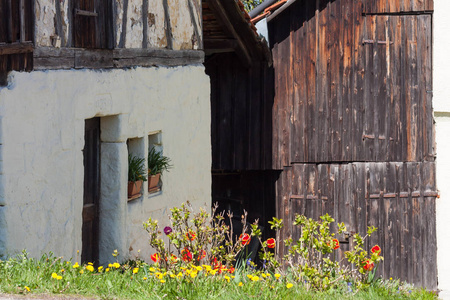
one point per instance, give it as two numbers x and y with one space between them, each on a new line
263 275
27 288
227 278
277 275
145 278
91 264
107 270
162 281
268 275
249 276
76 265
172 276
81 272
110 265
255 278
289 285
390 278
240 283
194 274
152 270
135 270
58 277
213 272
198 268
62 270
116 265
100 268
90 268
54 275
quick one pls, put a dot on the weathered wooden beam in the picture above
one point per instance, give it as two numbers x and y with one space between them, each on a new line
222 18
68 58
144 23
59 26
197 32
16 48
229 45
22 20
123 35
167 25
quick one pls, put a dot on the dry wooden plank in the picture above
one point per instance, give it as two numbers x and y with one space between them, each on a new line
346 88
357 83
369 144
226 104
284 113
275 127
197 31
322 89
254 106
239 118
334 24
16 48
382 98
93 59
145 23
123 34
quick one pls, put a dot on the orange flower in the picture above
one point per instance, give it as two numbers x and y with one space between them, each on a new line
368 265
271 243
186 255
231 270
376 249
155 257
191 235
335 244
245 239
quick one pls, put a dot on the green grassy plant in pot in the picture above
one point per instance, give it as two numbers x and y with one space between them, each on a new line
137 174
157 163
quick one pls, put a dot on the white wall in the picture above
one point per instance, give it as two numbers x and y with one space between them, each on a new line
42 117
441 105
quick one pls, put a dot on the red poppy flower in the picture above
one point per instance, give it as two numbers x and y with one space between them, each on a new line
186 255
155 257
231 270
368 265
376 249
191 235
335 244
271 243
245 239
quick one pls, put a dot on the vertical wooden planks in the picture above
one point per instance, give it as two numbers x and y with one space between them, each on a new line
310 69
322 93
358 74
346 87
368 137
334 24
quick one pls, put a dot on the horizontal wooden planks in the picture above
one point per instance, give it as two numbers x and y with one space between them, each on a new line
397 198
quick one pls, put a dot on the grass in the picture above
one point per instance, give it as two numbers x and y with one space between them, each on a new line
137 280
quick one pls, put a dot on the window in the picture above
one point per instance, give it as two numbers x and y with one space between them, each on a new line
92 24
16 37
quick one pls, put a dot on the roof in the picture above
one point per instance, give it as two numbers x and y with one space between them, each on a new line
227 27
273 10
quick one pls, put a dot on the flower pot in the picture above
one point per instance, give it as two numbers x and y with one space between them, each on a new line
134 189
153 182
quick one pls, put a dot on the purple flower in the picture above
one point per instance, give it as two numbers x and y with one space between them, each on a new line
167 230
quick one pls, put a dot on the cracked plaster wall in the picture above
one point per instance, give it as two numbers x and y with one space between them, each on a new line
41 140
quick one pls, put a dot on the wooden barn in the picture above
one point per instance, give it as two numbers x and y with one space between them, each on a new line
352 124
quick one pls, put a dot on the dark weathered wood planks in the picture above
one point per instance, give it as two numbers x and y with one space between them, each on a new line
351 87
397 198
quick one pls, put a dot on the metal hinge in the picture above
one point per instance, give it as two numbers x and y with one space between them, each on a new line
376 42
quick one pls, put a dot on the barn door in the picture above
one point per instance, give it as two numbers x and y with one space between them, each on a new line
91 159
397 91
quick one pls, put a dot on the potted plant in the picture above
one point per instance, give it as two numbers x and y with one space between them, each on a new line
136 175
157 163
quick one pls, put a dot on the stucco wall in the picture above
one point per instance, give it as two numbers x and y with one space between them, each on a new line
42 117
180 18
441 104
